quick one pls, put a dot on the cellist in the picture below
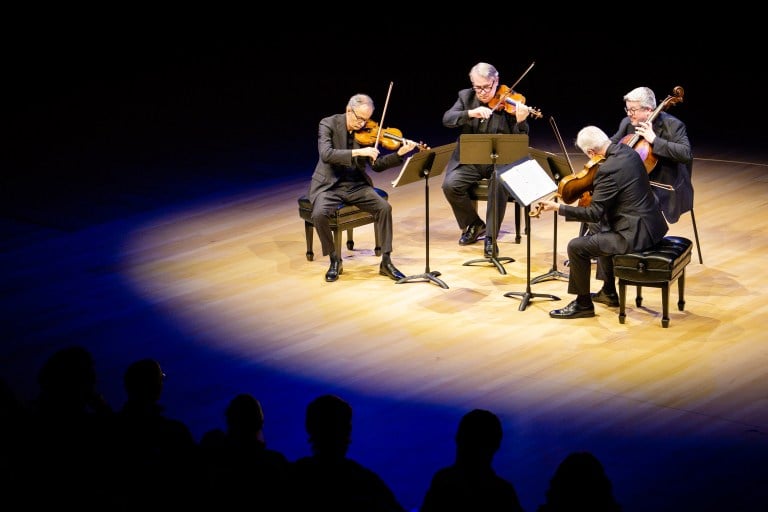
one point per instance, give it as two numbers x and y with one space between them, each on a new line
669 144
623 216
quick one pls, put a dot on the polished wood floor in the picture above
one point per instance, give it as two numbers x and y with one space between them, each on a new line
219 290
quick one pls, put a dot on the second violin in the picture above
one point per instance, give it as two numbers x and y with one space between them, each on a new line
508 100
390 138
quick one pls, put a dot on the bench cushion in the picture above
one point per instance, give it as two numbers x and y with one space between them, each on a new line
663 262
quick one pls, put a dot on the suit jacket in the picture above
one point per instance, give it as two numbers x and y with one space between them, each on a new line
675 163
457 117
335 157
622 201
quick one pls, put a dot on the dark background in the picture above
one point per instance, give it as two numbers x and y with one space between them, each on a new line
97 110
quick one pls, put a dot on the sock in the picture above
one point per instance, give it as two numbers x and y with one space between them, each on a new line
584 300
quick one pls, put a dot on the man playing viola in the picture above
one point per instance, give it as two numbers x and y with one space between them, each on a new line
471 112
340 175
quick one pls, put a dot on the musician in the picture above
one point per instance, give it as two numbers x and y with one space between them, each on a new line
669 142
340 175
472 114
623 216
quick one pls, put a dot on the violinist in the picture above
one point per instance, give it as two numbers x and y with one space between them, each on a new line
471 113
622 216
668 140
340 175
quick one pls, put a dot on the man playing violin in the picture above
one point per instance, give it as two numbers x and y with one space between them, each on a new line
472 114
340 175
668 138
622 216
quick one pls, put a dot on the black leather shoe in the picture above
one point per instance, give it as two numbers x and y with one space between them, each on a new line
488 249
389 270
573 310
334 271
609 299
472 233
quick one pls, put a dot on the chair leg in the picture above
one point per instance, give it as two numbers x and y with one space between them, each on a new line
665 305
639 296
681 291
696 236
350 240
517 223
622 301
309 231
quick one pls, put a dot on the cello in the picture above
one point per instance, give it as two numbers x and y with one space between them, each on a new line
638 143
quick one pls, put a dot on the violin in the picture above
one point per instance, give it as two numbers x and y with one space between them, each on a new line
507 99
390 138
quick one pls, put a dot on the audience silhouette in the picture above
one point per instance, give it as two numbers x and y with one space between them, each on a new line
580 483
328 479
471 482
237 463
66 447
156 457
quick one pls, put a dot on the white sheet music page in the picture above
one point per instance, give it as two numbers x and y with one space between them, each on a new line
527 181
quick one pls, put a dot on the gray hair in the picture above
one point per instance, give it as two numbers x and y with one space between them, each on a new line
592 137
484 70
644 95
360 99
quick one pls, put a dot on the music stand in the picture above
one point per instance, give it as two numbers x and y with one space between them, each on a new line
492 148
422 165
527 181
559 168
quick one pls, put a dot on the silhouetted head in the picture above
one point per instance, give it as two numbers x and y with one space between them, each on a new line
479 435
143 380
244 414
580 483
329 424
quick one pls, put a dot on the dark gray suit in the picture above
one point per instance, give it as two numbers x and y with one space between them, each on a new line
460 177
327 189
623 215
675 163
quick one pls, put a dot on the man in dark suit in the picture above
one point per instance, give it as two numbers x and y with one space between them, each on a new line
472 114
623 215
670 148
340 175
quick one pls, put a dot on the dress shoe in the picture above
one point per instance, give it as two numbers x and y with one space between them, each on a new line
573 310
609 299
472 233
389 270
489 246
334 271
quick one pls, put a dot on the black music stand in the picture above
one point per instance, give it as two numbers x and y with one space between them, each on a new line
417 166
527 181
496 149
559 168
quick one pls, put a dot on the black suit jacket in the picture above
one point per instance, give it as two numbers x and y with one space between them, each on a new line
335 157
675 163
622 201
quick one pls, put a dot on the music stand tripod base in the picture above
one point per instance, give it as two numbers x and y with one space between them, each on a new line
494 259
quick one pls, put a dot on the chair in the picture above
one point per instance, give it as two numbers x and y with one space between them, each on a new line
657 267
479 192
346 218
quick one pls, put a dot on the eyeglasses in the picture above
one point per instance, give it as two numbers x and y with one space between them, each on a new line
485 88
634 110
357 117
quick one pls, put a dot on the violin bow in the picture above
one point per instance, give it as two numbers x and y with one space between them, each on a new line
383 113
523 75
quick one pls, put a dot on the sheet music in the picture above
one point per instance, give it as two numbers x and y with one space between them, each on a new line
527 181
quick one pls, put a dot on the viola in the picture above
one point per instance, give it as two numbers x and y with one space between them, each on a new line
579 186
390 138
508 100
